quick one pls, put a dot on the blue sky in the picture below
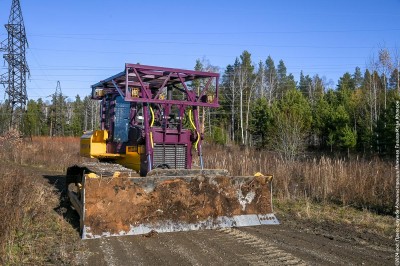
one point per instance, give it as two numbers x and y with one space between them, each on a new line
81 42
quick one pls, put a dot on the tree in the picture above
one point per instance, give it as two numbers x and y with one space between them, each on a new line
394 80
58 113
262 81
357 77
290 83
291 124
384 139
204 114
305 86
283 81
385 66
246 84
346 83
229 91
272 79
322 113
338 123
282 72
348 139
260 123
91 113
32 119
317 88
4 117
77 120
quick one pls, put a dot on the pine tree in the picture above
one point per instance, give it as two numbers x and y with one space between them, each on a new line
260 121
272 79
322 113
77 120
383 139
348 139
291 124
394 80
305 86
32 119
346 82
282 79
357 78
317 88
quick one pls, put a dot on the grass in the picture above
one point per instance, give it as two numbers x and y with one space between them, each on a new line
357 191
56 153
31 230
362 220
358 183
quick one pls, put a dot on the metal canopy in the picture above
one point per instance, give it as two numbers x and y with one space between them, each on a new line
152 80
154 76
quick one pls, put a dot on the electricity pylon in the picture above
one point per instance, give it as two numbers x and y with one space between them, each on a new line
14 48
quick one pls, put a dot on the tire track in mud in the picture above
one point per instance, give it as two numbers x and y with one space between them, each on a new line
263 245
323 248
307 246
269 255
131 250
211 247
132 254
108 252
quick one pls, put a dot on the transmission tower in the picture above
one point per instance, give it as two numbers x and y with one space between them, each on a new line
57 112
15 78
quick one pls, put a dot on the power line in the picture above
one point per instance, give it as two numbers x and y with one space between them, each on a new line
218 33
185 55
210 44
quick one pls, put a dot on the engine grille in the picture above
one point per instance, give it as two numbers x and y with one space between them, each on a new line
173 155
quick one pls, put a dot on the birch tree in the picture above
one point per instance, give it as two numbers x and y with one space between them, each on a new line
230 92
246 86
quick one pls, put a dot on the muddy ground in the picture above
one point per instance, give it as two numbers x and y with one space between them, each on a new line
286 244
294 242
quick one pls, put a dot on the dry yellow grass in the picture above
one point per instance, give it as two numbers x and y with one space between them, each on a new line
31 231
336 190
363 184
362 220
56 153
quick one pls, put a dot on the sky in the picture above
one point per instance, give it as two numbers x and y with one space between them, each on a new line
82 42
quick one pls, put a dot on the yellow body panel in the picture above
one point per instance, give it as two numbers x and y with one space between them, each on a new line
131 159
93 145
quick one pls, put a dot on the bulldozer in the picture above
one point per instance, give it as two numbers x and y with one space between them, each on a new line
149 174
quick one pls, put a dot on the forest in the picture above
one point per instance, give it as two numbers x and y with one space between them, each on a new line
262 105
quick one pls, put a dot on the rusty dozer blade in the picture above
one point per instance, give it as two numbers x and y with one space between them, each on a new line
173 200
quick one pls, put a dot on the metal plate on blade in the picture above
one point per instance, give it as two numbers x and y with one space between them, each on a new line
170 226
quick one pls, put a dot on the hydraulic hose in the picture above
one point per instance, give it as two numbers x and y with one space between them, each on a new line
194 126
151 125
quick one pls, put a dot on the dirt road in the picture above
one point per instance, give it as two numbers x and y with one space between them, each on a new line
287 244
